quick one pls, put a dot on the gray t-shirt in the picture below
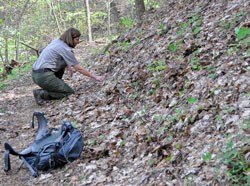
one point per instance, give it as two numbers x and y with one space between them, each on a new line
56 56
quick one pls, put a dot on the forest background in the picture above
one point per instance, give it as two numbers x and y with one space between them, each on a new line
27 26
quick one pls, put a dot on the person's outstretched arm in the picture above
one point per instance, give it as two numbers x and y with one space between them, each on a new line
85 72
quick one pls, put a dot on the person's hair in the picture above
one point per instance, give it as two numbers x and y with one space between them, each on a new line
69 35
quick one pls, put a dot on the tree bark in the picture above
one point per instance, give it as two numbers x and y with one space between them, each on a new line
114 16
88 20
6 53
109 22
18 28
1 56
140 8
55 16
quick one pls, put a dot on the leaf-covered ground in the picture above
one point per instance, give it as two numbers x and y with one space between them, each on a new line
174 110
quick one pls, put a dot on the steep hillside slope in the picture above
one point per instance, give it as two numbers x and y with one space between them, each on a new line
181 79
175 108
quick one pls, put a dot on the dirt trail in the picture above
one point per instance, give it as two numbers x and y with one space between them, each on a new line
17 106
15 123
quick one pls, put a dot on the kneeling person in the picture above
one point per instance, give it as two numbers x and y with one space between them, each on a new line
48 70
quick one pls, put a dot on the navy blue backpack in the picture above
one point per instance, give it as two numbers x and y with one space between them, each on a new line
51 148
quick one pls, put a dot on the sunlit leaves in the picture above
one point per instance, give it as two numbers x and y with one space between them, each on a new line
242 32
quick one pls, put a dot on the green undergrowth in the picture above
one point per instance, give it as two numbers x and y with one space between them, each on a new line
15 74
237 162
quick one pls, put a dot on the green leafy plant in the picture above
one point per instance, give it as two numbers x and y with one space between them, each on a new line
169 158
158 117
2 85
122 143
183 26
218 118
207 156
101 137
242 32
157 66
127 22
192 100
92 142
247 53
195 63
242 42
151 4
178 146
151 162
170 138
124 45
233 49
212 74
82 177
231 110
245 124
181 93
195 22
173 47
150 139
238 166
175 117
165 129
156 84
243 37
97 18
161 26
14 74
96 50
225 24
138 41
3 110
230 23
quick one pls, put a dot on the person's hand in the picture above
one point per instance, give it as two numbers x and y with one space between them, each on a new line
100 78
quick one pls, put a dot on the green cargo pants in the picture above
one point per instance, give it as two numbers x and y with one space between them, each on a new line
54 86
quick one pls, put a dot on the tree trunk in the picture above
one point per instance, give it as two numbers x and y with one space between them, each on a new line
140 8
1 56
18 28
108 10
6 54
61 16
88 20
51 6
114 16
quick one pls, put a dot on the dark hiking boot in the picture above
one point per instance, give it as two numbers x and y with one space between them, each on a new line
37 95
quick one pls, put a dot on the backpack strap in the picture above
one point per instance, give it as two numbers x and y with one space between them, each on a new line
42 125
32 170
8 150
7 166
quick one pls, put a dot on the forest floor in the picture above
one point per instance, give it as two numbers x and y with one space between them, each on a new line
174 109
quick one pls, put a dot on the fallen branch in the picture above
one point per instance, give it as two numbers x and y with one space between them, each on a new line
37 51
